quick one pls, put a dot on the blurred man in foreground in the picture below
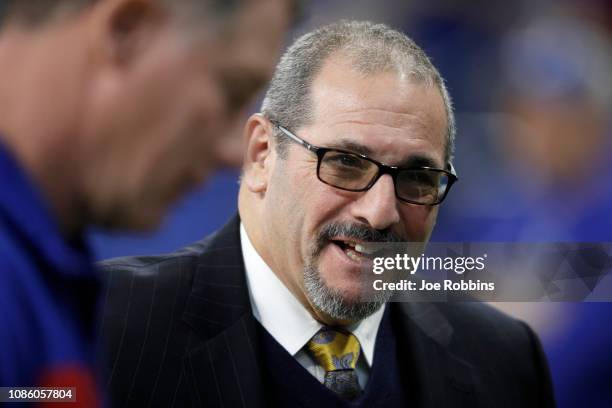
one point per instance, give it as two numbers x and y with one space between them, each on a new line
268 311
109 110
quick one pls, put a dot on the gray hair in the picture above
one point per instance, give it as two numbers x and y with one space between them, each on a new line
333 303
372 48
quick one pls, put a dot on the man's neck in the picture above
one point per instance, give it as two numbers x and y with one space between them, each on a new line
30 128
50 176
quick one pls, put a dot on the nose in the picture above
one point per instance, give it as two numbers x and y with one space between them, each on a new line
378 206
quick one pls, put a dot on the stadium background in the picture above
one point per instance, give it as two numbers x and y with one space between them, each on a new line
531 83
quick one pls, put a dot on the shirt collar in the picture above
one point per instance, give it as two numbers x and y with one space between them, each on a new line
27 213
283 316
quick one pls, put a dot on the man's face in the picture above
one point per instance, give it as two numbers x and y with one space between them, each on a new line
393 120
156 121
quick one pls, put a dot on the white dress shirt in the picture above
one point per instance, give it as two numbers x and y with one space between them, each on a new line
288 321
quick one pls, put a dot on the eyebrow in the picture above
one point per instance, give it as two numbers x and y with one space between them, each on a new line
413 161
417 161
351 146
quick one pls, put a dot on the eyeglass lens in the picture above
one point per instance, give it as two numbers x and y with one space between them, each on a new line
351 172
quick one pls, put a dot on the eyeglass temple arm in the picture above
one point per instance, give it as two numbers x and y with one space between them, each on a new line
451 168
295 138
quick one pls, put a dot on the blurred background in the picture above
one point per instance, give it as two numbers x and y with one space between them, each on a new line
532 87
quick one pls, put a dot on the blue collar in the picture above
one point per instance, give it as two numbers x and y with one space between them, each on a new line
28 217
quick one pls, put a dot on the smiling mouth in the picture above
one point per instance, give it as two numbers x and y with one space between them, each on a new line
356 251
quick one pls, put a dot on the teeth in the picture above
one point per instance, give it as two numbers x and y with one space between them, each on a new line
364 249
351 254
357 251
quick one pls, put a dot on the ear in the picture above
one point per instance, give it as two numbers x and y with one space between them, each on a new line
127 28
259 153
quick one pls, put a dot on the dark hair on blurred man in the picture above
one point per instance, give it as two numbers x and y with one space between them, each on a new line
353 146
109 111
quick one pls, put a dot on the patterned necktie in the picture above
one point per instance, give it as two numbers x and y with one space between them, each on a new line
337 352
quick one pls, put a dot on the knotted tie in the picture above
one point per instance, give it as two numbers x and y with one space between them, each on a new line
337 352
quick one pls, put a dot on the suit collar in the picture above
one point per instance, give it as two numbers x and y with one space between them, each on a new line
219 297
223 365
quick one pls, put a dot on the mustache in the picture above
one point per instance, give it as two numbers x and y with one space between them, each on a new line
359 232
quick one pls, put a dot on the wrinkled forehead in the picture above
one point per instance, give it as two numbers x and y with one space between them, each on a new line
390 116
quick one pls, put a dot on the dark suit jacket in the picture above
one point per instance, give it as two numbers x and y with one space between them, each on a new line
179 332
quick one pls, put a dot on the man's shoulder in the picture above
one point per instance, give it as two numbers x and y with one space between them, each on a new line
130 273
483 336
147 265
135 285
477 325
478 316
141 318
474 331
472 316
499 355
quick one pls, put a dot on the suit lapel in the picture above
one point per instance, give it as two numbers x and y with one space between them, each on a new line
222 366
438 377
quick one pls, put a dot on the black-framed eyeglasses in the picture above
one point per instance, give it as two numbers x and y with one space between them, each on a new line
352 171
